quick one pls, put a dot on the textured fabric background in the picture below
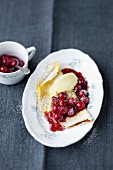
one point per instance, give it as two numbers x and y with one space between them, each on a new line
50 26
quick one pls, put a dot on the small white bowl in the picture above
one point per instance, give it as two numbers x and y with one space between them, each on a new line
15 49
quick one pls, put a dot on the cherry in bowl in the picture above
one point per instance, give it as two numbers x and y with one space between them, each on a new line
8 63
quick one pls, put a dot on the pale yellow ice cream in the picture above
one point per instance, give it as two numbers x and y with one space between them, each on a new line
63 83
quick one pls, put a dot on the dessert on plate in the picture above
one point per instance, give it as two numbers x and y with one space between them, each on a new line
63 97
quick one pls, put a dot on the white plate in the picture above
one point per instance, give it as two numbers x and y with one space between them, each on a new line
36 124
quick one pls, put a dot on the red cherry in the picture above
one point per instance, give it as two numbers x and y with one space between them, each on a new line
52 127
55 100
82 93
56 116
56 127
21 63
59 127
62 95
78 87
84 99
63 109
3 69
80 106
12 62
49 119
71 112
0 62
62 102
82 81
5 56
5 60
61 118
71 101
49 116
55 108
55 121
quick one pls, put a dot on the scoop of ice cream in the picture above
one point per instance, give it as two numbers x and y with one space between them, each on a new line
65 82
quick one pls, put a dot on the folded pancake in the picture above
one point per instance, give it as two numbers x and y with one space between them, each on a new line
54 83
43 87
82 116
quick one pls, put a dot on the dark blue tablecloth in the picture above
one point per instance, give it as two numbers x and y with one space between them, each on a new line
49 26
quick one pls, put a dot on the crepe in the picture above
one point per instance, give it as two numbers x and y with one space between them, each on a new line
43 87
54 83
82 116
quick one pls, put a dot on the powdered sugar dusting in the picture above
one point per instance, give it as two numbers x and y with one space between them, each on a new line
44 101
45 72
18 108
92 138
51 76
